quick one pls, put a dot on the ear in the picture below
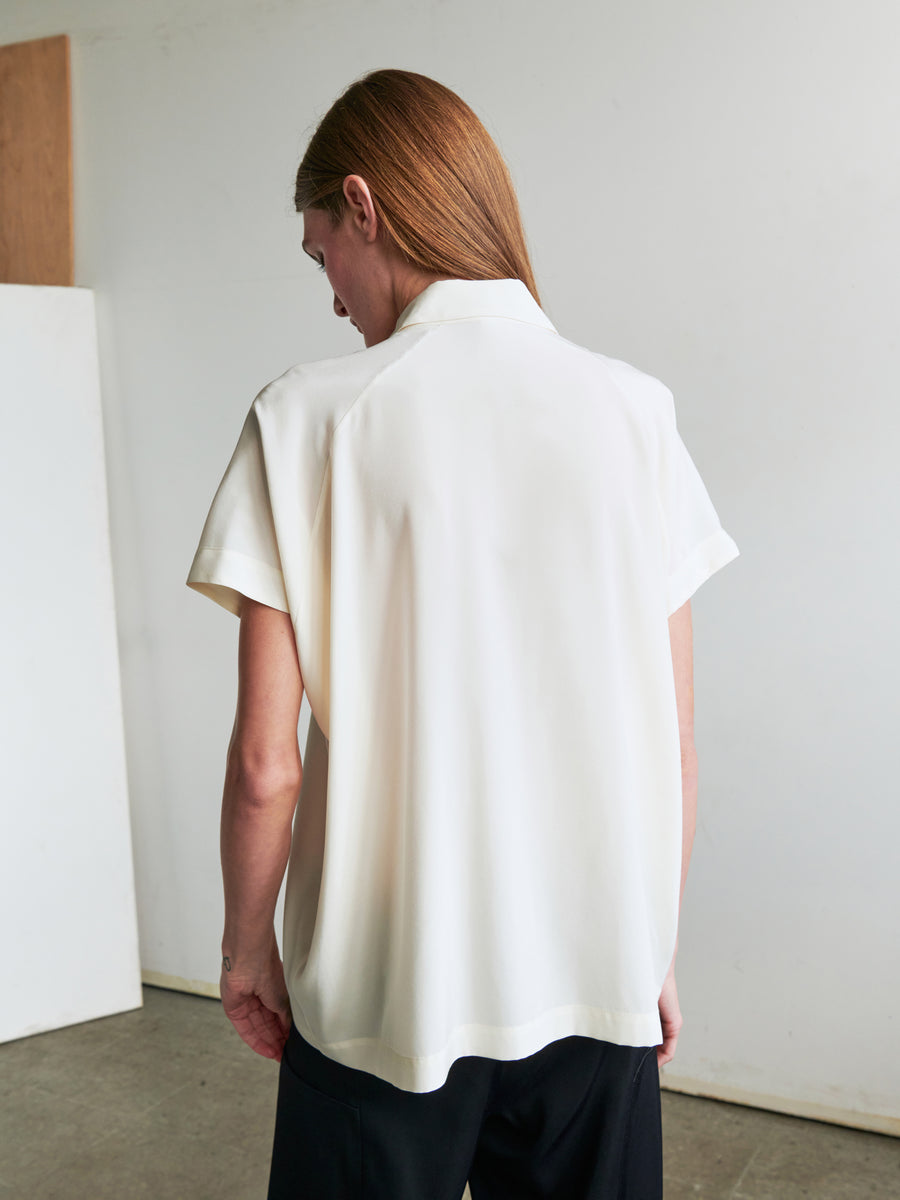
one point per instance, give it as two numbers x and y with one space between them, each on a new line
361 207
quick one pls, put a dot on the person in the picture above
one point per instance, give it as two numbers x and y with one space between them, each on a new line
472 545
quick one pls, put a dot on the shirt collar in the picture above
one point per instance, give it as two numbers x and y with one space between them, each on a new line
460 299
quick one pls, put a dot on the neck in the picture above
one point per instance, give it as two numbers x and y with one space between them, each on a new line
409 282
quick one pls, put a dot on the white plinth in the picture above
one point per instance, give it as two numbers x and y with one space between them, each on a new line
70 950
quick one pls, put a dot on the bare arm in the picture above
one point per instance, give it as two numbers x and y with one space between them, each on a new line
681 641
262 783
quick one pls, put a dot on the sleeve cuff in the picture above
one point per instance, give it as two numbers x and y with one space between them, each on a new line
704 560
227 577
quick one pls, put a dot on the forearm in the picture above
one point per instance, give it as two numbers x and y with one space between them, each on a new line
255 842
688 812
688 822
681 640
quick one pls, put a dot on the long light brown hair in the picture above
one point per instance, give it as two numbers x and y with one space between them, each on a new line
440 187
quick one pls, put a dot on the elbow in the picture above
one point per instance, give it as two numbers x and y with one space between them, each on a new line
263 781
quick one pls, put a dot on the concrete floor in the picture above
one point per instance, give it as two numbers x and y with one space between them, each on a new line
167 1102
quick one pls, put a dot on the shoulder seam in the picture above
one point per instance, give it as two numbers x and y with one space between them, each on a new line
353 403
371 383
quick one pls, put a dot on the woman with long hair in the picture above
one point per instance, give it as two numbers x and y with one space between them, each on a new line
472 546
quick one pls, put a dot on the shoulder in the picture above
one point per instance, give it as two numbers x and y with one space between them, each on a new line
647 398
324 390
632 382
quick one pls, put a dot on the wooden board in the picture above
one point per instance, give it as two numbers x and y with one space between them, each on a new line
36 233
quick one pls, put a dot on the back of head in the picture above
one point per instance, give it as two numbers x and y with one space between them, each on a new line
441 189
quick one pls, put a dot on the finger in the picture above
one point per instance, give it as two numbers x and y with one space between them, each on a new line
276 1030
666 1052
256 1043
267 1029
257 1026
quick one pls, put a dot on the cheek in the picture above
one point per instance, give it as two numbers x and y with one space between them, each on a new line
352 293
339 278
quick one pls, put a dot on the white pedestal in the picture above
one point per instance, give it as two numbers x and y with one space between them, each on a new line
70 950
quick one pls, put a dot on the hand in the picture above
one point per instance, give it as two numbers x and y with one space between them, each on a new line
255 1000
670 1018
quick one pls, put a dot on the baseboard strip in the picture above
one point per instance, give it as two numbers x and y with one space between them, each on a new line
870 1122
174 983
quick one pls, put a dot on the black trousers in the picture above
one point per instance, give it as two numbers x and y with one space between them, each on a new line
578 1120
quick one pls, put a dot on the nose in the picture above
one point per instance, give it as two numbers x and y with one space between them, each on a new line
339 310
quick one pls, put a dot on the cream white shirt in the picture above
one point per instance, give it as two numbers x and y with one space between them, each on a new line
479 530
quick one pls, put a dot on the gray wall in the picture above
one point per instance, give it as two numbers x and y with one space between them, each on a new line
711 191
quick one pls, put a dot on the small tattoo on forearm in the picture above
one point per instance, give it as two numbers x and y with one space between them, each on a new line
226 963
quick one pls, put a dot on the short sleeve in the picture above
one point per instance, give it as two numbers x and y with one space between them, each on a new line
696 545
238 552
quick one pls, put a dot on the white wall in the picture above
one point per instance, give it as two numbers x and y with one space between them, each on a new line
711 191
70 942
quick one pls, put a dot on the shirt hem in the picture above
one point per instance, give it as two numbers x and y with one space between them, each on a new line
709 556
227 577
425 1073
